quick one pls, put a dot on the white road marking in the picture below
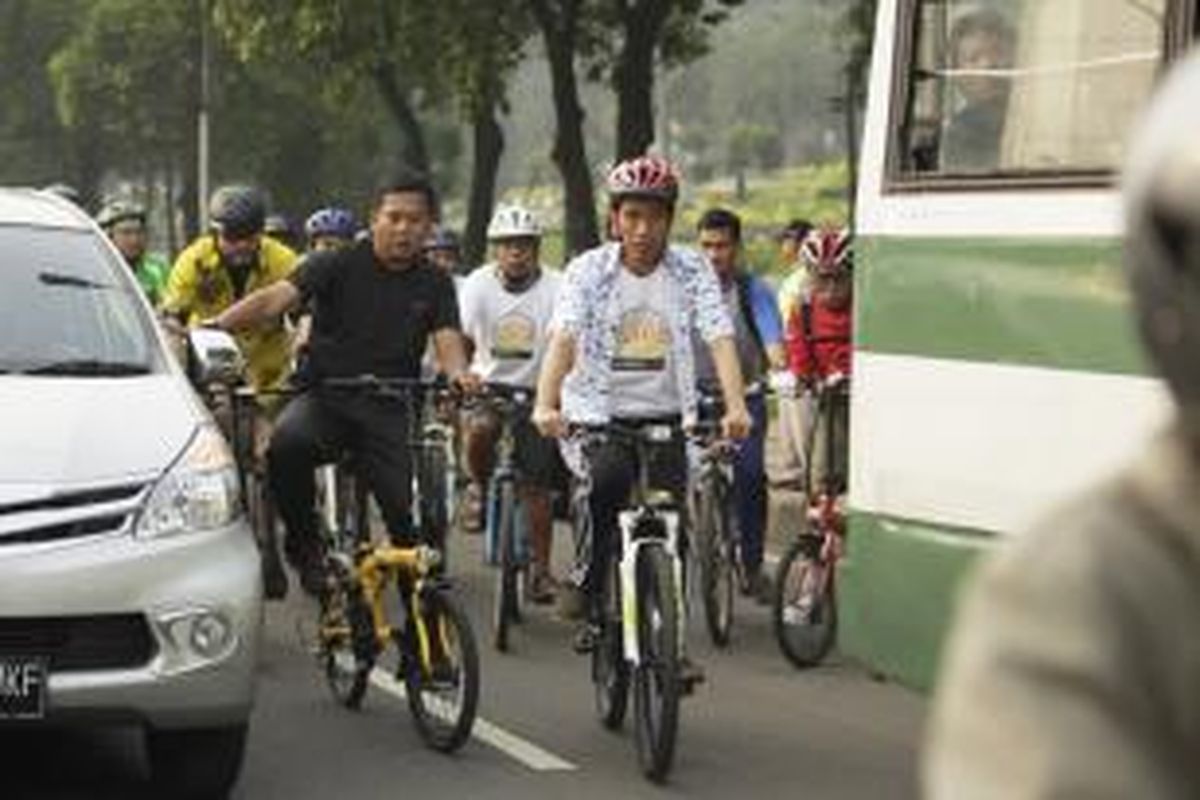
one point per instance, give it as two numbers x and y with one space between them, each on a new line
522 750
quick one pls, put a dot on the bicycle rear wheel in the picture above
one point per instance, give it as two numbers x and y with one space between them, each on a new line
716 563
260 509
505 609
443 700
346 637
804 612
610 671
656 685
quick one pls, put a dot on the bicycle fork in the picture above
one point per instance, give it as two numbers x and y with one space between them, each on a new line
632 544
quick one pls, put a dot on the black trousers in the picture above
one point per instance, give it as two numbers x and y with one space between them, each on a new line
611 471
317 428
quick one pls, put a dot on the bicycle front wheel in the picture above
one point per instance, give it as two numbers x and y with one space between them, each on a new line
656 686
444 694
804 612
260 509
505 610
434 490
610 670
716 564
346 637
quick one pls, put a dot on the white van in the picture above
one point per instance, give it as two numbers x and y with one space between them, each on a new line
129 580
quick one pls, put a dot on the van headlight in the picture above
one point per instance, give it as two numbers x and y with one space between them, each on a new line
198 493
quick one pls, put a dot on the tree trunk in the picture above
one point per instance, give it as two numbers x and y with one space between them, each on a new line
633 78
570 152
413 153
169 172
488 147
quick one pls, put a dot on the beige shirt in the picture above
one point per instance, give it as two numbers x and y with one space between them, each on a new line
1074 667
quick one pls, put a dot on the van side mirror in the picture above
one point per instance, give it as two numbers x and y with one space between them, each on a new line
213 357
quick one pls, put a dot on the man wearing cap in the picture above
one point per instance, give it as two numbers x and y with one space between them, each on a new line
125 224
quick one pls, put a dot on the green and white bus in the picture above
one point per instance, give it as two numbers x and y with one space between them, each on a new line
996 366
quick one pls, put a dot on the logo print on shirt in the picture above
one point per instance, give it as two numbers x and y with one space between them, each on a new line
643 340
515 337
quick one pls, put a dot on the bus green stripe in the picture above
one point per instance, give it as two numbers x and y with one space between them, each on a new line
897 592
1059 303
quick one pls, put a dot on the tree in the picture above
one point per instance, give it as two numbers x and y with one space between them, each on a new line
35 147
126 84
562 24
482 45
672 32
383 42
857 27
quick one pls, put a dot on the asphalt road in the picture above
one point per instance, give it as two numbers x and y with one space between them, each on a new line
757 728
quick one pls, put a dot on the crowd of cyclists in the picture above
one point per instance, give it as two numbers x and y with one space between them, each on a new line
637 328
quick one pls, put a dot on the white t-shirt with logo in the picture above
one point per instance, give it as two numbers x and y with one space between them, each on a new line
508 328
643 369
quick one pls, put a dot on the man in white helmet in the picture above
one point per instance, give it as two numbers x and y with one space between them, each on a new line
506 308
1074 669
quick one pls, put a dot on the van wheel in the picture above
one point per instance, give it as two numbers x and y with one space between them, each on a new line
197 764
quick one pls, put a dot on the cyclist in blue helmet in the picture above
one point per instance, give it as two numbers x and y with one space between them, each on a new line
330 228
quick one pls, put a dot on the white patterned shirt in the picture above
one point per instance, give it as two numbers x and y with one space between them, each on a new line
589 309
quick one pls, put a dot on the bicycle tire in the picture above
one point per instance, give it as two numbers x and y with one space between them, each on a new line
346 637
260 509
434 491
805 622
656 685
439 728
610 670
504 607
716 565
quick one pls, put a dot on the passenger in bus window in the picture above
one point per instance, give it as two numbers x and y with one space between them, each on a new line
980 42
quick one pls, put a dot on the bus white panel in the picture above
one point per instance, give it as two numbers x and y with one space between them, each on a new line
988 446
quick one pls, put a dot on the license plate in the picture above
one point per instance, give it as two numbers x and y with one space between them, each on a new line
22 687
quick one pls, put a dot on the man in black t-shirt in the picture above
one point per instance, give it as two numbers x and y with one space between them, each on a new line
374 308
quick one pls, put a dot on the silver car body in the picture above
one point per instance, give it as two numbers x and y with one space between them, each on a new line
79 458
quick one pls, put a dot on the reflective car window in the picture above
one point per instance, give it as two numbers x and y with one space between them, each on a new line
66 308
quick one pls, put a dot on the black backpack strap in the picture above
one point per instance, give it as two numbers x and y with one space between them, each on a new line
746 304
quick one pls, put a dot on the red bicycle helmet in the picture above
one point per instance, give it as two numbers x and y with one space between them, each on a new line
644 176
827 249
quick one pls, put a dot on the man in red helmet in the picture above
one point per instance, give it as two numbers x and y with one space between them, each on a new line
621 348
818 337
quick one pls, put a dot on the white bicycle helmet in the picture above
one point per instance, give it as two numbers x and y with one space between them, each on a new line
514 222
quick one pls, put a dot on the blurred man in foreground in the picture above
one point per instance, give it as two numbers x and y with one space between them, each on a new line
1073 671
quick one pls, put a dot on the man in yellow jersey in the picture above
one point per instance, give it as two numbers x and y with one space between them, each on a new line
224 265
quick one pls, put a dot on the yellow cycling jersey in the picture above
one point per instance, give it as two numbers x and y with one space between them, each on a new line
200 288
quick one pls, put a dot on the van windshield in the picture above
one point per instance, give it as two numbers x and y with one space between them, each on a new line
67 310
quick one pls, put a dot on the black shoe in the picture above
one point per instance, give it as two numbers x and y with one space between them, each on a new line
691 675
541 588
308 562
443 676
587 636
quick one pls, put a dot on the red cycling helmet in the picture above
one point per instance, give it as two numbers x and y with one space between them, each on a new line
644 176
827 249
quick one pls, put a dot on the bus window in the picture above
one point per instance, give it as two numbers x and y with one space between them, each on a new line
1018 87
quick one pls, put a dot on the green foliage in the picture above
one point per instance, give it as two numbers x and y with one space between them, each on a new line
817 193
35 148
754 144
119 77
